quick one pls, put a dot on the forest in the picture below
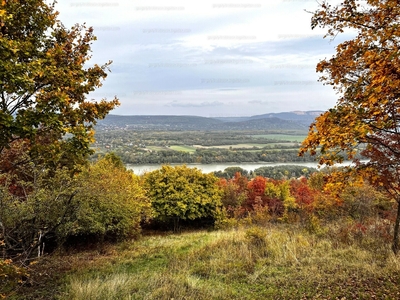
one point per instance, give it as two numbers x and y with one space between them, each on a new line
75 223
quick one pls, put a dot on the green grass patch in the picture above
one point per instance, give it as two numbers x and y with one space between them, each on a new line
183 148
236 146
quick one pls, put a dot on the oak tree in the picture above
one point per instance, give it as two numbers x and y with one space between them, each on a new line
365 72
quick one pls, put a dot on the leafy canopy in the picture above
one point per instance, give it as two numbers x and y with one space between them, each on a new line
183 193
44 82
111 202
366 74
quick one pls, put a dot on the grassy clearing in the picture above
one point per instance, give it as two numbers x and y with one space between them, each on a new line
183 148
156 148
282 137
234 146
253 263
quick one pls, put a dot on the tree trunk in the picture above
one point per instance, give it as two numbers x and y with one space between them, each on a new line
177 228
395 246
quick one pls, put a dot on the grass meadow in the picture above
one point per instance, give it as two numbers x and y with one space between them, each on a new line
183 148
254 262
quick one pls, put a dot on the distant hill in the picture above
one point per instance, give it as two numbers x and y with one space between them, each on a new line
264 124
158 122
305 117
272 121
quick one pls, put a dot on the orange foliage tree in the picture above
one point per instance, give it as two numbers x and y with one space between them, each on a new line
256 192
233 195
366 74
270 193
303 194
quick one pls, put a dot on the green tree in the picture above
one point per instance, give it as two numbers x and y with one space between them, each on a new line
111 202
183 193
365 72
231 171
44 83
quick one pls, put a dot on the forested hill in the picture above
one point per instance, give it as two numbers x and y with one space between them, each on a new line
272 121
304 117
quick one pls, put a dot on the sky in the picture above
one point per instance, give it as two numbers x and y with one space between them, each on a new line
211 58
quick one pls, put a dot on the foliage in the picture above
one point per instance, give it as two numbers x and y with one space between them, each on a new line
255 194
111 202
284 172
32 210
365 72
303 193
38 205
230 172
281 202
363 202
183 193
317 180
137 155
233 196
269 193
10 276
44 84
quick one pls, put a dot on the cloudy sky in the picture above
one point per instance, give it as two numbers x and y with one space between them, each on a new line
208 58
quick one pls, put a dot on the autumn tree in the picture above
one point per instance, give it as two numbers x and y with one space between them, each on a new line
44 83
183 193
366 74
110 203
232 196
31 211
303 194
46 122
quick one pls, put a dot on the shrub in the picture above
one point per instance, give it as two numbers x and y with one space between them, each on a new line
110 203
10 276
182 193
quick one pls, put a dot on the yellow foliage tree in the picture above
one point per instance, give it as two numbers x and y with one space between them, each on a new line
366 74
183 193
110 203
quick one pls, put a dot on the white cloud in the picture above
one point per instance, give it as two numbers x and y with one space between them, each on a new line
180 57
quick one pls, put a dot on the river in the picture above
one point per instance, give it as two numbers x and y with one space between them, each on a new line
208 168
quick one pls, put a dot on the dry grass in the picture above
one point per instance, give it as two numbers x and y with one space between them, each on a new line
247 263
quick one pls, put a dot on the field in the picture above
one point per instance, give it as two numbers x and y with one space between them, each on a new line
282 137
273 262
235 146
183 148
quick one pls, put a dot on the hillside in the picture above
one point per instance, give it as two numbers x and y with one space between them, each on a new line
157 122
272 121
305 117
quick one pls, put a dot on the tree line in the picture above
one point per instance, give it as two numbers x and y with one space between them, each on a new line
215 155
